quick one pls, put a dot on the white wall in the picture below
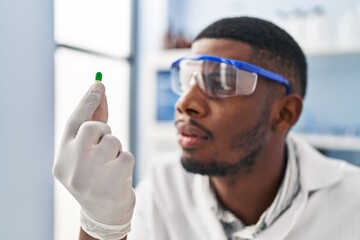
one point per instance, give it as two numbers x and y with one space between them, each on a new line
26 119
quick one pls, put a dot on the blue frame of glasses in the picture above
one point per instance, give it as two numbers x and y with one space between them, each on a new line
240 65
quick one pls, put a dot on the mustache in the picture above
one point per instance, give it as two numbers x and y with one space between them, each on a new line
196 124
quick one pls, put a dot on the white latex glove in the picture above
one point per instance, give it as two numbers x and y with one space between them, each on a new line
91 164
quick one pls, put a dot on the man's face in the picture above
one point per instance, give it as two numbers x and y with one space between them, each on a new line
222 136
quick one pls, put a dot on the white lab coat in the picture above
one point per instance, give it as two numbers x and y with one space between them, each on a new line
171 204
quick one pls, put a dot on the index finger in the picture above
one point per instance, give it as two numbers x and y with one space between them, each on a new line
85 109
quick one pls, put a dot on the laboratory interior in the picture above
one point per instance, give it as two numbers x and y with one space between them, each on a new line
51 50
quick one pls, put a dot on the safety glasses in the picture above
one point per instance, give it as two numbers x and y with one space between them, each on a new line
219 77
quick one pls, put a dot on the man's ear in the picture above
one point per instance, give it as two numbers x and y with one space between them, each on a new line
288 110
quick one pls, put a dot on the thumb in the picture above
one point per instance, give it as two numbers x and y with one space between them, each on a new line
87 108
101 113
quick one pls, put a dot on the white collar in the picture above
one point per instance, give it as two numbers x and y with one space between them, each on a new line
316 170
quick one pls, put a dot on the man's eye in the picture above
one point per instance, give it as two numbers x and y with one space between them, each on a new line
220 83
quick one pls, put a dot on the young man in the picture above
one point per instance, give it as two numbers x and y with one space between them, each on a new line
240 176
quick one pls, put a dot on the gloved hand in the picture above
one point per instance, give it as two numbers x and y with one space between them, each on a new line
90 163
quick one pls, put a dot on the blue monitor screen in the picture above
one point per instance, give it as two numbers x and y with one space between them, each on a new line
165 98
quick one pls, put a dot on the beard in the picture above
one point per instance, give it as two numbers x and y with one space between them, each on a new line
247 145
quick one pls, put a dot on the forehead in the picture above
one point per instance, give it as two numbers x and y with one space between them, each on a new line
225 48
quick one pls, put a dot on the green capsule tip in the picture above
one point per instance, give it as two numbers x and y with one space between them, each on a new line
98 76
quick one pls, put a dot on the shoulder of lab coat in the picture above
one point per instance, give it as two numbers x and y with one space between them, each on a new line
328 205
318 171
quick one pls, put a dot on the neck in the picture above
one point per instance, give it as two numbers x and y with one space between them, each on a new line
248 195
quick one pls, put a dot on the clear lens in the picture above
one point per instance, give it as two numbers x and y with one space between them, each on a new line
214 78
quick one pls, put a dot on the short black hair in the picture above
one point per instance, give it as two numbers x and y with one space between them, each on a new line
272 47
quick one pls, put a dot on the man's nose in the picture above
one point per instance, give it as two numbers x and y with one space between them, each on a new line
193 102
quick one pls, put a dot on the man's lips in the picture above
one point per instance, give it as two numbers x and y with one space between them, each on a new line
191 134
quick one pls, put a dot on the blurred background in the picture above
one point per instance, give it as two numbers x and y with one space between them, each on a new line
51 50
